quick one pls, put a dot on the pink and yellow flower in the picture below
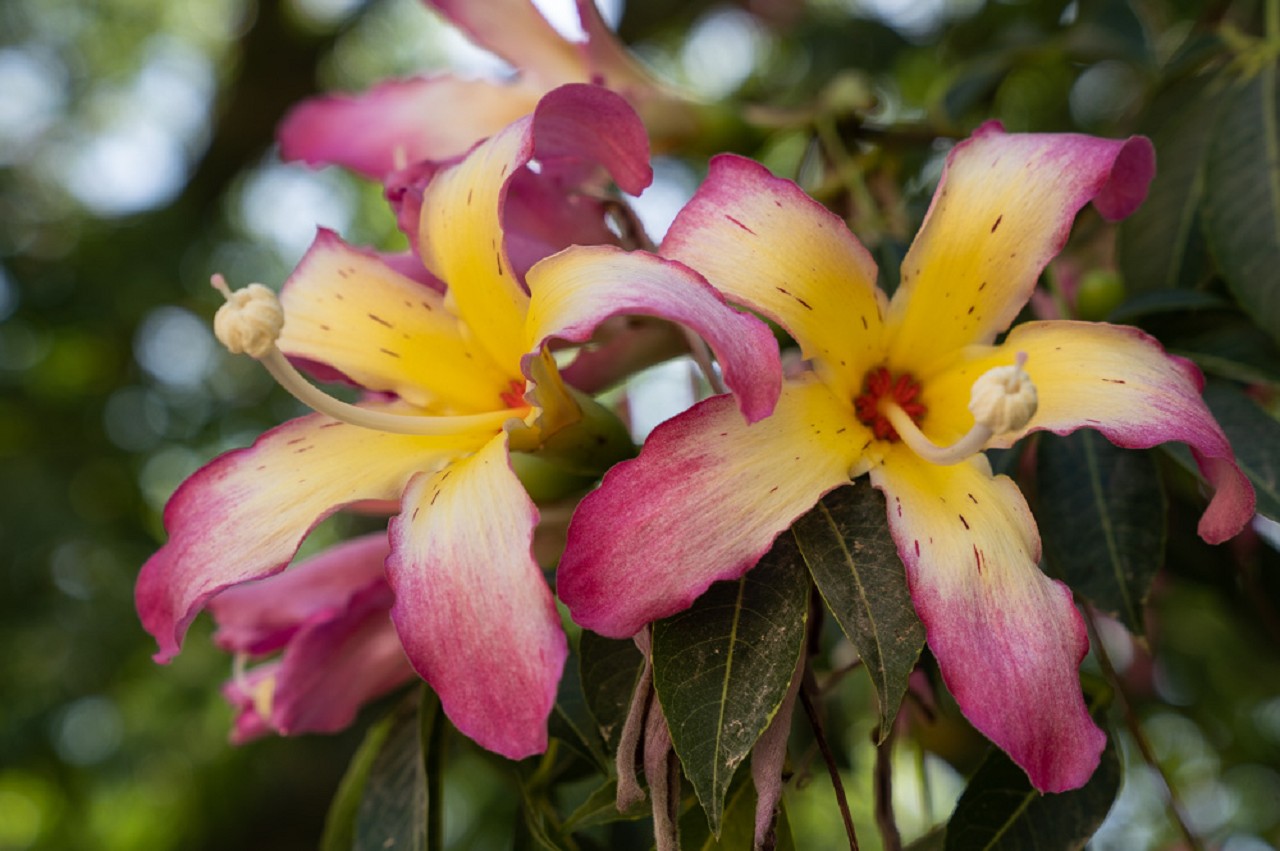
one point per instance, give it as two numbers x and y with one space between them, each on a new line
462 387
436 117
329 619
889 389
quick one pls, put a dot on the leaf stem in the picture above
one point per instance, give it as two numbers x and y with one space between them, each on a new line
889 835
836 783
851 177
1134 725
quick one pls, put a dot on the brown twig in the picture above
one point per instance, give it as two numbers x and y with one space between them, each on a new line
1134 725
891 839
836 783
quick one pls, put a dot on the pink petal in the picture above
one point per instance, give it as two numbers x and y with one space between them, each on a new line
401 122
608 58
517 32
1007 638
586 123
259 617
575 291
474 613
334 666
662 527
672 118
541 218
242 516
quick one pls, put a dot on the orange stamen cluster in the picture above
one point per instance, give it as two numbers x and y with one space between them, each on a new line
514 395
880 384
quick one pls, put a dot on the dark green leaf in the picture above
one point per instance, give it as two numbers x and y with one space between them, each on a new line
1242 196
722 667
1109 29
846 544
1000 810
601 807
340 823
572 723
1142 305
1255 437
1206 328
973 84
1102 516
1221 341
394 811
608 670
534 810
934 840
1160 245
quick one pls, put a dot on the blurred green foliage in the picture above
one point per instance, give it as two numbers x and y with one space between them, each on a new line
136 159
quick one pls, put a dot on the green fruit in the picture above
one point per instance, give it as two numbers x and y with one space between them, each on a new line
1099 293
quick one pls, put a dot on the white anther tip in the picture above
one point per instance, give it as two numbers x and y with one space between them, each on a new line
250 320
1004 398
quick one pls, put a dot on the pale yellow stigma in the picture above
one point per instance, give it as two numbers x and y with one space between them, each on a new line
1002 400
250 323
250 320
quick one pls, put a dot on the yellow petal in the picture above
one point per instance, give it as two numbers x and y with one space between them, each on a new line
1004 208
461 240
766 245
349 310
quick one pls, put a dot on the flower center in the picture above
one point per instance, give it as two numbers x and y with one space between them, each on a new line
514 395
1003 400
880 384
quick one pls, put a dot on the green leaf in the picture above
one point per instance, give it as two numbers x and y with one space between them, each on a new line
572 723
400 807
722 667
608 669
1000 810
845 542
1160 246
340 823
1224 342
1242 196
1143 305
934 840
1255 437
534 812
601 807
1101 512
